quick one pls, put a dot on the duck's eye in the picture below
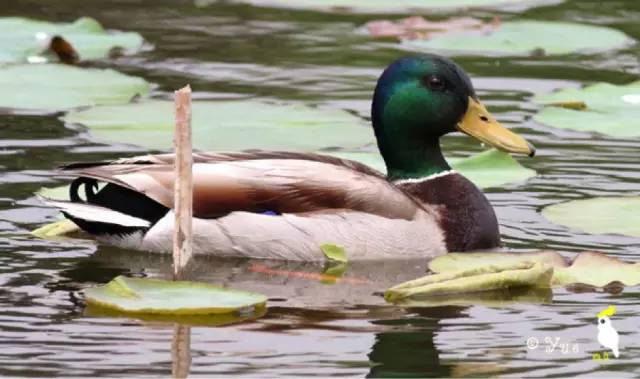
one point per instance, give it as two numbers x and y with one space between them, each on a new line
434 82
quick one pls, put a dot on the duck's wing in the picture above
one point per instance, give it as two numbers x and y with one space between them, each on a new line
254 154
260 181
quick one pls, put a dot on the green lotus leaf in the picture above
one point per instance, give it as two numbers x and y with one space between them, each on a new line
525 38
56 229
491 168
610 109
468 261
165 297
334 252
377 6
600 215
598 270
227 125
55 193
499 298
590 268
218 319
488 277
48 88
23 39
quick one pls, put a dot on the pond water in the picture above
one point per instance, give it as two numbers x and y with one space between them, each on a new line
315 328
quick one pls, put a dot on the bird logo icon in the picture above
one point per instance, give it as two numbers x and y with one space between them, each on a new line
607 335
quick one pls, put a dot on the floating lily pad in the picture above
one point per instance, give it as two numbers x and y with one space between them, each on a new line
526 37
23 39
594 269
503 297
163 297
55 193
468 261
600 215
608 109
56 229
598 270
377 6
227 125
41 88
491 168
488 277
217 319
334 252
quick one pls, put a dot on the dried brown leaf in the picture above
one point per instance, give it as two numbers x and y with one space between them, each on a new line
64 50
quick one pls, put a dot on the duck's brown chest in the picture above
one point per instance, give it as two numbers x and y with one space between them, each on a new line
466 216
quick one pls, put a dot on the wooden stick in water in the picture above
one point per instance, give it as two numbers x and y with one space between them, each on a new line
182 233
183 186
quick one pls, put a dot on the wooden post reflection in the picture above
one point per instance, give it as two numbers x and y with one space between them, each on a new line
181 351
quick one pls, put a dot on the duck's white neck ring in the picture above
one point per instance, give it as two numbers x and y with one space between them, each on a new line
425 179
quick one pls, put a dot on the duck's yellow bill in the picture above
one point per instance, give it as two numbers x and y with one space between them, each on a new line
479 123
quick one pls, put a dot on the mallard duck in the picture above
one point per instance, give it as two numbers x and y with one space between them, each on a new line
285 205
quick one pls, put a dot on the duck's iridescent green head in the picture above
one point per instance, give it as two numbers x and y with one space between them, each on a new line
417 100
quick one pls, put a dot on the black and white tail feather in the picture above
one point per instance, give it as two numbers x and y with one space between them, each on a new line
110 210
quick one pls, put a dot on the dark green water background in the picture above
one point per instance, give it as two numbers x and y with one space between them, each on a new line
313 328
